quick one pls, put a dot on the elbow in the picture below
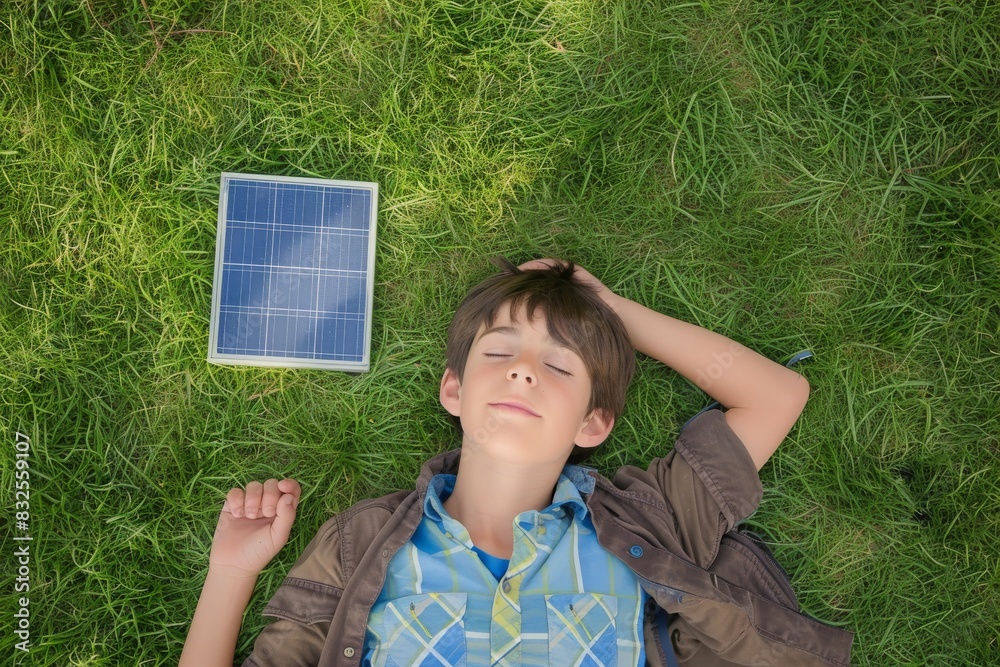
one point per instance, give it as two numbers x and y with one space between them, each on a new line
798 392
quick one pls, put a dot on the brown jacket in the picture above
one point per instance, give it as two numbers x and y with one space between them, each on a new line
731 604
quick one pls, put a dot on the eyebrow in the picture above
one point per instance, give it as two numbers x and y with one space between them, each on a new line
506 331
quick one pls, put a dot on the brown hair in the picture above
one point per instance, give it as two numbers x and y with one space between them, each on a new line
575 316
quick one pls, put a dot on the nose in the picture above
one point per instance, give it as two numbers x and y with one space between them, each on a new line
521 371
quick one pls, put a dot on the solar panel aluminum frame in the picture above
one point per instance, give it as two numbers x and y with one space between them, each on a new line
216 357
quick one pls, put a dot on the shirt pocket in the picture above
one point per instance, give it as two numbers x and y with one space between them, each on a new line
582 629
427 630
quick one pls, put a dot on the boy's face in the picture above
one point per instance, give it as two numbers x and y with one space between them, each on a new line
524 396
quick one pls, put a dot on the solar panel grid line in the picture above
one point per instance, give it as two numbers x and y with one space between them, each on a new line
319 245
300 269
288 312
268 204
277 226
294 275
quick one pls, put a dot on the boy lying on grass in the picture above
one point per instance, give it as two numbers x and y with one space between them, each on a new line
506 555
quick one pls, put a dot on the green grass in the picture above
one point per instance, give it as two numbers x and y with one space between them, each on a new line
819 175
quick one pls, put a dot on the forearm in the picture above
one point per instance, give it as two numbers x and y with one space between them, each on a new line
211 641
764 399
732 374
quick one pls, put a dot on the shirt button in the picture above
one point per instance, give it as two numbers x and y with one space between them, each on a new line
541 530
385 554
349 652
506 586
636 551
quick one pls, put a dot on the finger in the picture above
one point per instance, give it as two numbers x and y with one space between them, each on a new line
251 506
537 264
234 503
269 500
290 486
282 524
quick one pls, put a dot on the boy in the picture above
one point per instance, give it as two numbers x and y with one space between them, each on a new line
504 554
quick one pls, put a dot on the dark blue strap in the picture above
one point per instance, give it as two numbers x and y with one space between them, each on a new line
662 618
796 358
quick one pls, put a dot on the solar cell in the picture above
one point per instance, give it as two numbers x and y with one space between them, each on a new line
293 272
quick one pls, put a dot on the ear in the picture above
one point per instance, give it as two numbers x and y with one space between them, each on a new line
451 393
595 429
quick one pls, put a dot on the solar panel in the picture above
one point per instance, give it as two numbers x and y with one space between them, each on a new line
294 276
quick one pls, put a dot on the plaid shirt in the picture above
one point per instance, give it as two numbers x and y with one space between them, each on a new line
563 600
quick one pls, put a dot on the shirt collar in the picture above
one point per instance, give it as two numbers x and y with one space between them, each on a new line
441 485
568 495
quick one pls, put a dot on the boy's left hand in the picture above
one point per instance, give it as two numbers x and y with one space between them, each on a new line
579 273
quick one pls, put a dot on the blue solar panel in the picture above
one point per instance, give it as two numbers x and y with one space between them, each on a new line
293 272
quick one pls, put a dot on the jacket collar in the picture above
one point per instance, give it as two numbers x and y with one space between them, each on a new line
446 463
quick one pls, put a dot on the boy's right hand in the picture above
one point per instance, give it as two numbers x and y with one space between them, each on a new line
579 273
253 526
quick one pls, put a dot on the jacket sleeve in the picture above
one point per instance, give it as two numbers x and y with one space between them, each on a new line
303 605
709 483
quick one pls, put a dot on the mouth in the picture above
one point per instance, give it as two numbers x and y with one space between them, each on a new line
515 407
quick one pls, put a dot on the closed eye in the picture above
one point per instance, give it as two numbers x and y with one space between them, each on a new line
555 368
